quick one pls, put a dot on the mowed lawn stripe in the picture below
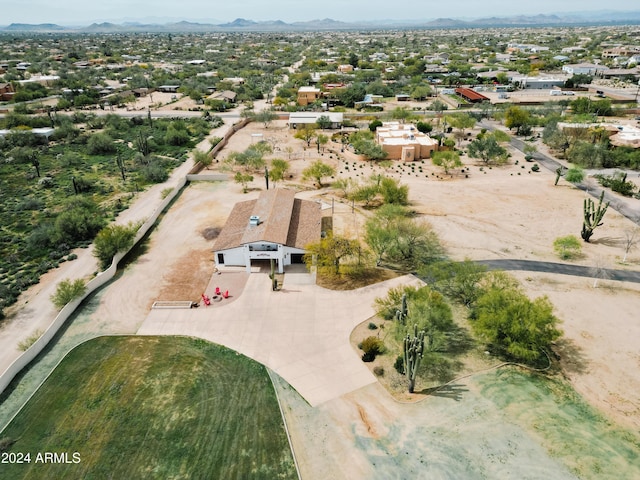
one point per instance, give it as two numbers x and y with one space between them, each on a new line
154 407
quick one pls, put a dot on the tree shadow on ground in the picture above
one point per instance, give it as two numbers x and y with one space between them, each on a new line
572 359
608 241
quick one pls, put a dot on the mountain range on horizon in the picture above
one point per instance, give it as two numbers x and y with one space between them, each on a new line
328 24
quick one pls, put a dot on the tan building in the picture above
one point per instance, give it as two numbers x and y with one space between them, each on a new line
307 95
405 142
6 92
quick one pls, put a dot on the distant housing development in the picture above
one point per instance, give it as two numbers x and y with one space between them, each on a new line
404 142
275 226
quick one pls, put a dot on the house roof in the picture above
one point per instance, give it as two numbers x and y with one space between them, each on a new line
224 95
284 220
312 117
470 94
308 90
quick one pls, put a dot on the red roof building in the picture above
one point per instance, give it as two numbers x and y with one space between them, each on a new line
471 95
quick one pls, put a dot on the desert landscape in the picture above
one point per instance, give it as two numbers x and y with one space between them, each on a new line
490 213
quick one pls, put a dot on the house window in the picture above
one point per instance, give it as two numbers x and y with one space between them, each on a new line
221 258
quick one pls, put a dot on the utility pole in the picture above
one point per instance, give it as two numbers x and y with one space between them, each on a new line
266 176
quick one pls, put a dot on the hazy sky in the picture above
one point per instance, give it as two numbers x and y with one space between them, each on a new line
66 12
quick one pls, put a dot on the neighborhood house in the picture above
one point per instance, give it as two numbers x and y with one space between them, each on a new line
404 142
274 226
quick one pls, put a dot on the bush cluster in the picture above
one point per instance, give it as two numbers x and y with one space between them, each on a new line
372 347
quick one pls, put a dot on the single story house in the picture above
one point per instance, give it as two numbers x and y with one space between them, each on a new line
274 226
404 142
585 69
539 83
299 119
307 95
225 96
168 88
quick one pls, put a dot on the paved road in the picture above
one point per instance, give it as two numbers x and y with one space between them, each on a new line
629 210
563 269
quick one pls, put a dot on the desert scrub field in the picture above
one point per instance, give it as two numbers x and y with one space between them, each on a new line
152 407
57 193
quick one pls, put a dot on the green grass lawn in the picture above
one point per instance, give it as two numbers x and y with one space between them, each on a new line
153 407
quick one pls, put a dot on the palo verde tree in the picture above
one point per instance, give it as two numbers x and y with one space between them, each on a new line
330 252
279 169
446 159
317 171
518 118
113 239
265 117
243 179
487 148
66 291
592 216
511 324
306 133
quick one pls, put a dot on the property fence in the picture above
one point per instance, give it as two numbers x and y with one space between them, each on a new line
221 144
100 280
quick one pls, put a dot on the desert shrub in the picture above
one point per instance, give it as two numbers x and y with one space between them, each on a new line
29 204
574 175
80 221
372 326
568 247
113 239
154 173
30 340
399 364
457 280
535 168
40 237
101 144
176 134
378 371
371 346
618 183
66 291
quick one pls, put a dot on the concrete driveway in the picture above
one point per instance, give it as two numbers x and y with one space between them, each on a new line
301 332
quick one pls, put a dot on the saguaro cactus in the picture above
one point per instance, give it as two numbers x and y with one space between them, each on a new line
592 216
413 347
401 315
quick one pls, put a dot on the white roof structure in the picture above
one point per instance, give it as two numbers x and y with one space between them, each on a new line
394 133
312 117
308 90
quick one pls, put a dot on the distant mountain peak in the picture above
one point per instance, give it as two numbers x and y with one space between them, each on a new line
327 24
240 22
